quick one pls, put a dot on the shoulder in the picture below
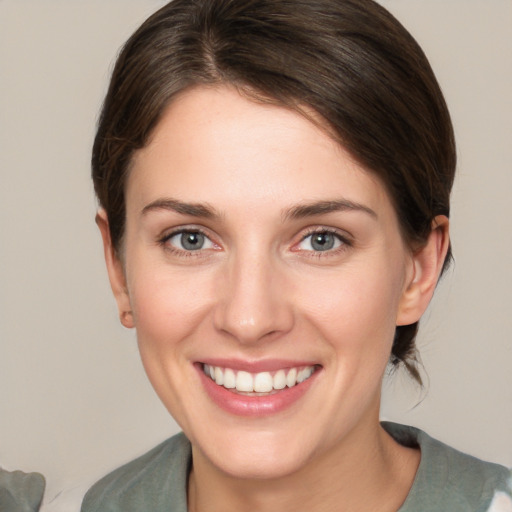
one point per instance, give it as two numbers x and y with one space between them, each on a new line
448 479
150 482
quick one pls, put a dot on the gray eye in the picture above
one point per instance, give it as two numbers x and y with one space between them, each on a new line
192 241
320 242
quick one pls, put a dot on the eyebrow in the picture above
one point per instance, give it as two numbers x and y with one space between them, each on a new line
191 209
300 211
323 207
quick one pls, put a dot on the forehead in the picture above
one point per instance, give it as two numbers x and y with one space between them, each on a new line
215 145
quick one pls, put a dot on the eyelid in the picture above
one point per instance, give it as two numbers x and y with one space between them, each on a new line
163 240
344 237
207 243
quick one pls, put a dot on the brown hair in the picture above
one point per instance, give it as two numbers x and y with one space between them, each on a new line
350 61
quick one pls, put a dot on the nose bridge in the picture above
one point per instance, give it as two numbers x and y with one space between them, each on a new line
253 304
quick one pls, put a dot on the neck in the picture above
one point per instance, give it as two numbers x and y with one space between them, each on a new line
367 470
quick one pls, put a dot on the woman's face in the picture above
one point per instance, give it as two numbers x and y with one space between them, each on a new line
256 249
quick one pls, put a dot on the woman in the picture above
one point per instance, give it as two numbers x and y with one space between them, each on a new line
274 183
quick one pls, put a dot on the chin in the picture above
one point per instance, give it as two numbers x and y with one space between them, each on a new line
261 467
256 456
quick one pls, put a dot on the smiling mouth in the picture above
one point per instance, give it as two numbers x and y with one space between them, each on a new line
258 384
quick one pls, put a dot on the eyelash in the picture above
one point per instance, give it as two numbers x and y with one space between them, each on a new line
164 242
345 242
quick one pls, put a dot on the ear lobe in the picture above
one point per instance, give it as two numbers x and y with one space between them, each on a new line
115 271
427 262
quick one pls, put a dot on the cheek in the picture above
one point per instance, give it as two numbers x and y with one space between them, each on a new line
168 306
169 311
356 306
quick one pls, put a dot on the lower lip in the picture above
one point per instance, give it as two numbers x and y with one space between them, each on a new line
246 405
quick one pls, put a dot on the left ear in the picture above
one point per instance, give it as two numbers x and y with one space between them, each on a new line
115 271
427 264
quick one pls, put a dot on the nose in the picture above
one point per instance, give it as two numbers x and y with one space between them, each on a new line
252 302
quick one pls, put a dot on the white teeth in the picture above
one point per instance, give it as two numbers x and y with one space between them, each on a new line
229 379
291 378
244 382
219 376
280 380
304 374
262 382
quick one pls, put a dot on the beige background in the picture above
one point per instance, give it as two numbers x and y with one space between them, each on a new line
74 401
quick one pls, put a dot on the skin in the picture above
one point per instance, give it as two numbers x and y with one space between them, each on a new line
259 290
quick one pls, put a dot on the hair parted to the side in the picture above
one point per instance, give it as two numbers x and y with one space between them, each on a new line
350 61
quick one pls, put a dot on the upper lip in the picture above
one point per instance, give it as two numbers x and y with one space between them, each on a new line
264 365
